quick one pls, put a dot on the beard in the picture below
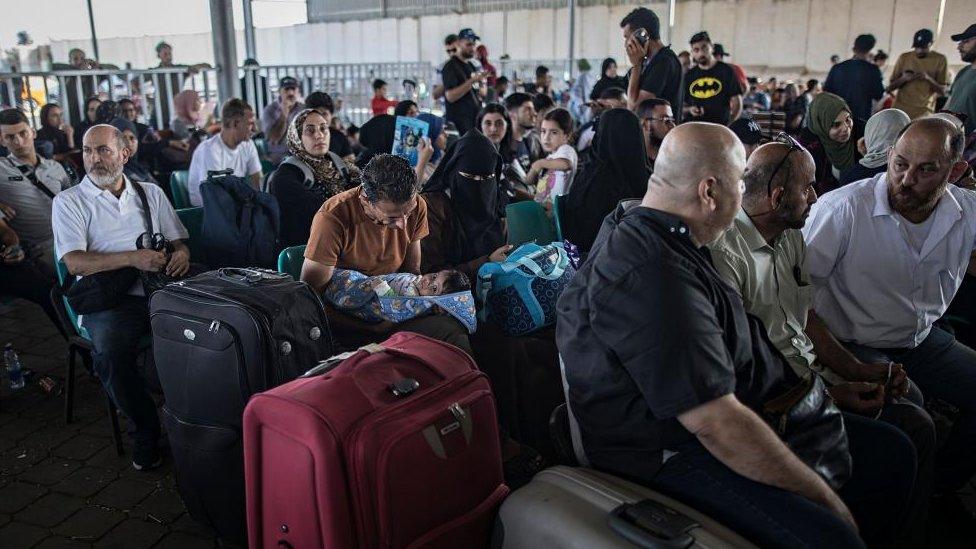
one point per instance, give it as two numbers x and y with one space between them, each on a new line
467 54
910 204
970 55
105 175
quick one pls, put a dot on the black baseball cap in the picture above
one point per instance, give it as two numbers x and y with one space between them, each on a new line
746 130
468 34
719 50
966 34
287 82
923 38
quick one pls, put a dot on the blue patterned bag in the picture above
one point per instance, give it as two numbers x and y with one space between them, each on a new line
519 295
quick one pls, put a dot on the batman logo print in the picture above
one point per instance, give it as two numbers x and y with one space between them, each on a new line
705 87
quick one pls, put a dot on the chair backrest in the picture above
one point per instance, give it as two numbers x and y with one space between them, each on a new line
261 145
527 221
61 270
557 216
178 188
290 261
192 219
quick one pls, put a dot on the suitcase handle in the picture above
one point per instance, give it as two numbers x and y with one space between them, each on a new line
651 525
246 277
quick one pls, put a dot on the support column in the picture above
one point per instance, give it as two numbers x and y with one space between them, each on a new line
572 38
225 49
250 44
94 37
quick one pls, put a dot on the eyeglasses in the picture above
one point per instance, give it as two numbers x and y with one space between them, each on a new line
785 139
665 119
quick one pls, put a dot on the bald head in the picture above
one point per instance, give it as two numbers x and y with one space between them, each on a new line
934 132
759 178
695 151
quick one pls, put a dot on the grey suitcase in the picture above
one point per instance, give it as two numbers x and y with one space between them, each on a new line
579 508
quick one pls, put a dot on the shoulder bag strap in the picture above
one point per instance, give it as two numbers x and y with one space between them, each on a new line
146 213
32 177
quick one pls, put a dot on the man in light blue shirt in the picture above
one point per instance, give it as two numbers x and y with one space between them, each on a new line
886 255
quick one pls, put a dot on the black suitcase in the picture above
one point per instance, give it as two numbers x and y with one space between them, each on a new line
219 338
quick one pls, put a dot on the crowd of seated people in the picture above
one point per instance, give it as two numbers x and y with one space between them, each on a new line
723 266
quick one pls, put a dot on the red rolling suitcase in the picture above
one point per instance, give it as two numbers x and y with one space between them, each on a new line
394 446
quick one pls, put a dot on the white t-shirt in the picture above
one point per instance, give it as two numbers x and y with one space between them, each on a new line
88 219
213 155
557 182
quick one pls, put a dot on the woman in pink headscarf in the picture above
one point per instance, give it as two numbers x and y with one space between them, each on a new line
482 54
189 117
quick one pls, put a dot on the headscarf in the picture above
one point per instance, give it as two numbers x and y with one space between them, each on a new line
880 134
478 205
436 126
606 64
122 124
45 110
376 136
106 112
823 111
325 173
184 104
615 169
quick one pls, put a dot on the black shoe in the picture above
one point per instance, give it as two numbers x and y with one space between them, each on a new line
520 469
146 456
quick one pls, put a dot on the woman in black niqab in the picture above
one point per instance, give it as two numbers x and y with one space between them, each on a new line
465 199
614 168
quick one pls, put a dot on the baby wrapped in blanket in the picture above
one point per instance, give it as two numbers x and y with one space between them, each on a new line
399 297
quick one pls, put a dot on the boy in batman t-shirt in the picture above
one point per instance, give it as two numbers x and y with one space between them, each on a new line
710 86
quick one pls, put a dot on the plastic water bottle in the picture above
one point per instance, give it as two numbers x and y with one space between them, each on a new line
14 371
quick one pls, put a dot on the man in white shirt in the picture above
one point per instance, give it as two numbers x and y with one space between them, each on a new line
886 255
231 149
96 226
31 201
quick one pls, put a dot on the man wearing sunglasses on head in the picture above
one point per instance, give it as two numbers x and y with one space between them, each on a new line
762 256
100 226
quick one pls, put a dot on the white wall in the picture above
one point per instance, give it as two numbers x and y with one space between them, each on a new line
766 36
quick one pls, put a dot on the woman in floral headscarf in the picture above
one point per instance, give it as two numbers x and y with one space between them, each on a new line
308 177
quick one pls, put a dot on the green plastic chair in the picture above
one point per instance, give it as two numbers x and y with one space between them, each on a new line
290 261
557 216
262 146
192 219
80 346
178 188
527 221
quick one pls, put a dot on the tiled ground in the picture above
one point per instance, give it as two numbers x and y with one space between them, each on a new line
64 486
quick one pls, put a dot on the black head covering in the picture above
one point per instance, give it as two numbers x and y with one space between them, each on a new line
376 136
478 204
106 112
615 169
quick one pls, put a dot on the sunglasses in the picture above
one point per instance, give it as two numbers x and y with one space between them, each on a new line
786 139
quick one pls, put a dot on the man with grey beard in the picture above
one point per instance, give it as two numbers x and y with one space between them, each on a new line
96 228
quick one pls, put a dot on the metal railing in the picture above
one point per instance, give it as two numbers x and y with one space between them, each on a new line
152 90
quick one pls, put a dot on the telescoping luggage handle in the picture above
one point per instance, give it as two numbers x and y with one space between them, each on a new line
249 277
652 525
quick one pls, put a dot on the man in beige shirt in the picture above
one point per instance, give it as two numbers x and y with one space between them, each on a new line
921 76
762 256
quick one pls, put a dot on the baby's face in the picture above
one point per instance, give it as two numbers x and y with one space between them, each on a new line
432 284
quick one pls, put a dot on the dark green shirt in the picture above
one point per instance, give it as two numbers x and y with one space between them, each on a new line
962 97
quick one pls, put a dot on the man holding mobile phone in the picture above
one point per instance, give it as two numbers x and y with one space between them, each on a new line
712 91
463 84
655 71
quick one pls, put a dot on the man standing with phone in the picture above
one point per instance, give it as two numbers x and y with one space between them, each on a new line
920 76
655 71
464 86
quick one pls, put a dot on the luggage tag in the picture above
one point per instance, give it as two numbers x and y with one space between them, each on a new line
328 364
